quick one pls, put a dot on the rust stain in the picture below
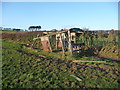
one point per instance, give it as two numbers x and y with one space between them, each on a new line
45 45
59 44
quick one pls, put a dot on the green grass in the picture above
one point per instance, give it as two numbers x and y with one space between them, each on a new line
28 71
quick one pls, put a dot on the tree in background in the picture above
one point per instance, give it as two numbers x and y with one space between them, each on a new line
34 28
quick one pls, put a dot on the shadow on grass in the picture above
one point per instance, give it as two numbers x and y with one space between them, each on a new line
57 51
93 52
88 52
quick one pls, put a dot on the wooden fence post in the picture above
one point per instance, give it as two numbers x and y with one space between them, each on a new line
62 44
49 44
69 42
56 45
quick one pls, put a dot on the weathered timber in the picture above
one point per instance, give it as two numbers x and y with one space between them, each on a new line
56 45
69 43
89 61
63 39
76 77
62 45
51 34
49 45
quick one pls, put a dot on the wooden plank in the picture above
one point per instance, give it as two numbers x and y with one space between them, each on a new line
64 41
76 77
62 45
44 38
69 43
89 61
51 34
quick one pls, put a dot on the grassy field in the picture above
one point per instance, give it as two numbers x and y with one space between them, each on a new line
24 68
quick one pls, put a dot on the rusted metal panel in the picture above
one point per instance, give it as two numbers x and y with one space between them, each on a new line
65 39
59 44
46 44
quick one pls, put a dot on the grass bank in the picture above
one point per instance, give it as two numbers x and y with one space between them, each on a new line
20 70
